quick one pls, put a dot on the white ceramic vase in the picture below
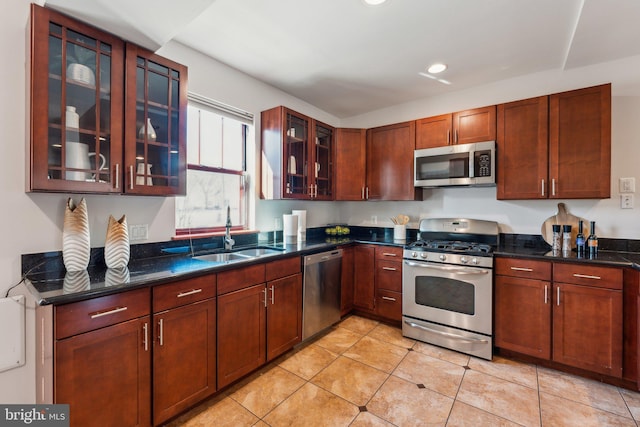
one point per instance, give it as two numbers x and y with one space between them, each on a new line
116 246
76 248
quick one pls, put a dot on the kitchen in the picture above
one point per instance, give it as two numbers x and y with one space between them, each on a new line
32 222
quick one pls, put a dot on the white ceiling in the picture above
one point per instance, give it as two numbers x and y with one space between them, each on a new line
347 58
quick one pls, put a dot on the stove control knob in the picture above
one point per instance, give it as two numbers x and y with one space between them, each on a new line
423 254
414 254
442 257
475 261
464 259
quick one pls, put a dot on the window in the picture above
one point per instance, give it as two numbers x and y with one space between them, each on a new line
216 168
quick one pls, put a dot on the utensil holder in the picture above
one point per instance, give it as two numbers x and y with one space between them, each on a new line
400 232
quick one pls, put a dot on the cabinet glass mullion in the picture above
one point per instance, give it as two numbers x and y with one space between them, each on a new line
323 160
297 160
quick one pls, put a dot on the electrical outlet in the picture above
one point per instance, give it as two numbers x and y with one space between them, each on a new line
626 201
627 185
138 232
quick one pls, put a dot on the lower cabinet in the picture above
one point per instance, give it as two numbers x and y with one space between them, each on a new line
259 318
346 285
103 351
184 345
573 318
364 278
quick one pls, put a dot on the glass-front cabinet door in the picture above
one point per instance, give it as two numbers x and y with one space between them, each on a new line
296 156
322 168
155 124
76 106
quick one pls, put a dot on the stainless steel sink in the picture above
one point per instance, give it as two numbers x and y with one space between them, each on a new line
224 257
258 252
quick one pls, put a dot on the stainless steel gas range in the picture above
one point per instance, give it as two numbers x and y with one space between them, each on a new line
447 285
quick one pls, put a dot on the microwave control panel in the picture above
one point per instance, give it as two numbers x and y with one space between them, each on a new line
483 163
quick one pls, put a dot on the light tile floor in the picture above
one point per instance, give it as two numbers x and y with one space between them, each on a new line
364 373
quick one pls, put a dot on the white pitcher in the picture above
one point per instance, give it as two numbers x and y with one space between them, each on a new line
77 156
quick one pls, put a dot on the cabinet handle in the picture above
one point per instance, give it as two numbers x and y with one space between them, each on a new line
448 136
586 276
108 312
367 198
546 294
273 295
542 187
117 176
362 197
455 132
145 337
187 293
558 299
131 177
388 254
161 332
388 299
389 268
265 297
522 269
553 186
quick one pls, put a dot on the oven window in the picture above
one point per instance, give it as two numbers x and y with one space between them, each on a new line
446 294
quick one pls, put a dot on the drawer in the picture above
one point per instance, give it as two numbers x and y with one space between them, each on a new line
283 267
183 292
588 275
525 268
388 252
389 304
240 278
389 275
83 316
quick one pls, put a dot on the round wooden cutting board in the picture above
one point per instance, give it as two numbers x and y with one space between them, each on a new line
563 218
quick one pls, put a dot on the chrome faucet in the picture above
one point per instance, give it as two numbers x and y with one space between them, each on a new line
228 241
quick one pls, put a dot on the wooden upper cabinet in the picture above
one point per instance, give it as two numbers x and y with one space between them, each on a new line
463 127
390 162
155 157
91 99
76 106
476 125
522 149
351 164
434 131
580 143
297 156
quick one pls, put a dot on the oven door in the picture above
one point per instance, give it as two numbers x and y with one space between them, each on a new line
451 295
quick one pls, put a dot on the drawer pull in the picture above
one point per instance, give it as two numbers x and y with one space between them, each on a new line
145 328
388 254
586 276
161 332
388 299
546 294
522 269
187 293
558 299
108 312
389 268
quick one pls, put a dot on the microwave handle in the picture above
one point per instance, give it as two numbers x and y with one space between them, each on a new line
472 156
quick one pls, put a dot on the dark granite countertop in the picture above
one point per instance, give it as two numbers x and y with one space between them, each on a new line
48 281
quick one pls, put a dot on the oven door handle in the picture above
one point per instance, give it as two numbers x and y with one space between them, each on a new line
460 338
456 270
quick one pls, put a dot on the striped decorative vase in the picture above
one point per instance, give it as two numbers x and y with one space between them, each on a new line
76 248
116 247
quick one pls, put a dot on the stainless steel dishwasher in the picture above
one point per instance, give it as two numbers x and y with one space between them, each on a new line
321 292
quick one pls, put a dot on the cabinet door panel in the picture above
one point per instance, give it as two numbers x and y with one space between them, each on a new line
433 131
184 370
284 314
580 143
389 305
390 162
522 142
110 363
587 328
476 125
346 290
523 316
241 333
351 163
364 277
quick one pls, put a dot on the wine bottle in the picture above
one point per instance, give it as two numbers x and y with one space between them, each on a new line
592 241
580 240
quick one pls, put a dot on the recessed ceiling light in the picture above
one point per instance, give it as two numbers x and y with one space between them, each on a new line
436 68
373 2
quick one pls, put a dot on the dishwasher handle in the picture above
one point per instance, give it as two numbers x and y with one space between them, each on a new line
322 257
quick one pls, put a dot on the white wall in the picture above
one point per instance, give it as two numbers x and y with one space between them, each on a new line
32 222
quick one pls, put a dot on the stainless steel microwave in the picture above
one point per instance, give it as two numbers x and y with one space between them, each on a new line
456 165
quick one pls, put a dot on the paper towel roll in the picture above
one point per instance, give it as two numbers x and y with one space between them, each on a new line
290 223
302 224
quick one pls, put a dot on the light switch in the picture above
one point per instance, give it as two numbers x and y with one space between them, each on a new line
627 185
